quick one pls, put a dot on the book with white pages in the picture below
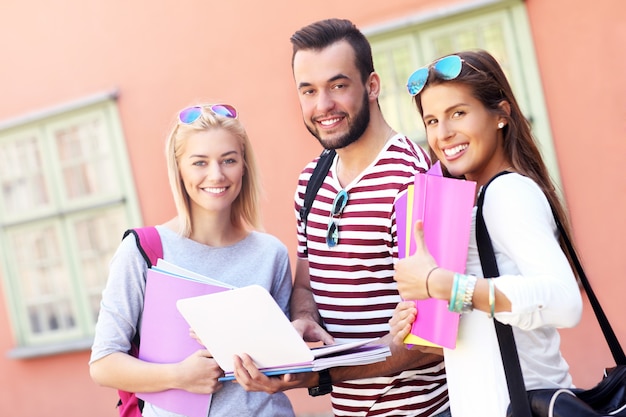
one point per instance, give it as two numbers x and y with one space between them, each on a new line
248 320
181 272
164 333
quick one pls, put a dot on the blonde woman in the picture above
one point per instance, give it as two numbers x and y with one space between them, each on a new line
215 185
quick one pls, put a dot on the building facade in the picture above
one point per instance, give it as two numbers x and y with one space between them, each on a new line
91 88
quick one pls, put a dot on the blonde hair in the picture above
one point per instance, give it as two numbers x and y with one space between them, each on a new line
245 209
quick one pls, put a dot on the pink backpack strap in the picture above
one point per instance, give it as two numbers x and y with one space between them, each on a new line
148 243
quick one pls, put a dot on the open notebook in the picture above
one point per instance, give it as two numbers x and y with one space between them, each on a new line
248 320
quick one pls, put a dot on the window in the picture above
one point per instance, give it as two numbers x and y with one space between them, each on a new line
66 193
498 26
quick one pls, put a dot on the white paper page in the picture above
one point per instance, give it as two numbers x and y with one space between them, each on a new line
339 347
358 357
245 320
186 273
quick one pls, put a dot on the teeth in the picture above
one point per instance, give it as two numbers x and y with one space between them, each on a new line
215 190
455 150
328 122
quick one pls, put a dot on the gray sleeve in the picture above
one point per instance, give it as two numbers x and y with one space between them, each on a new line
282 284
122 301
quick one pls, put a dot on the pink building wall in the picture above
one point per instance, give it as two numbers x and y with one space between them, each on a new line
161 56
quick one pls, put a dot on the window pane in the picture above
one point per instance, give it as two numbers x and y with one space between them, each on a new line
394 61
66 197
487 34
22 176
97 237
397 57
44 279
394 69
86 163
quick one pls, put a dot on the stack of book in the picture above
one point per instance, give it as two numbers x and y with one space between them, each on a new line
444 205
228 321
248 320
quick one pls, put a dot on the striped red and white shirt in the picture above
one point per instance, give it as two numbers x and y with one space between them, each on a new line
353 282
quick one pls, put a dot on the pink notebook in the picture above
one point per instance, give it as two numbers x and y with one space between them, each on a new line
165 333
445 206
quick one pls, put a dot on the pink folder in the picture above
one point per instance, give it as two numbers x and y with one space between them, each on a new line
165 337
445 206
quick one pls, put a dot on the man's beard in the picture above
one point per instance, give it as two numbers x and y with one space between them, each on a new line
356 129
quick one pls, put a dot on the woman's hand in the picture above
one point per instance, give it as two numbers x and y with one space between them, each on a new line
194 336
411 272
198 373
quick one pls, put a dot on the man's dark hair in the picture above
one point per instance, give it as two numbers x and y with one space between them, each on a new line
324 33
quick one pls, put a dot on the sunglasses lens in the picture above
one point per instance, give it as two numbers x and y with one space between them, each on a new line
332 235
449 67
190 114
340 203
417 80
224 110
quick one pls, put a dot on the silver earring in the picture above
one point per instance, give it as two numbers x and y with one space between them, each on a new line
500 125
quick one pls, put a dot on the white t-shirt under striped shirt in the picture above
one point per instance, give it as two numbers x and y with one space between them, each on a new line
353 282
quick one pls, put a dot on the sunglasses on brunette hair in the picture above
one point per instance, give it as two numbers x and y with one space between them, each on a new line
448 68
191 114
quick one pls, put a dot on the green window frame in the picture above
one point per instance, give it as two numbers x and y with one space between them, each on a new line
66 192
498 26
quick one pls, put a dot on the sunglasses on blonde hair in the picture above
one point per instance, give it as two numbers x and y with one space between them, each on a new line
191 114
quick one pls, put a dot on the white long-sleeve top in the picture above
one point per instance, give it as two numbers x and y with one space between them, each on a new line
538 280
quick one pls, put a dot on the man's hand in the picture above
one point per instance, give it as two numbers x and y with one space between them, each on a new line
400 326
311 331
251 379
401 321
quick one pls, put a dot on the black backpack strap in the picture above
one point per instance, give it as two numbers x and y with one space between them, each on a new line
315 182
508 349
607 330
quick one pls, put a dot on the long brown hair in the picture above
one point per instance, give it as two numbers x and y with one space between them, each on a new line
488 84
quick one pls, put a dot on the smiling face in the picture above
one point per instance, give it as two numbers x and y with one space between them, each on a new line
461 131
333 98
211 170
